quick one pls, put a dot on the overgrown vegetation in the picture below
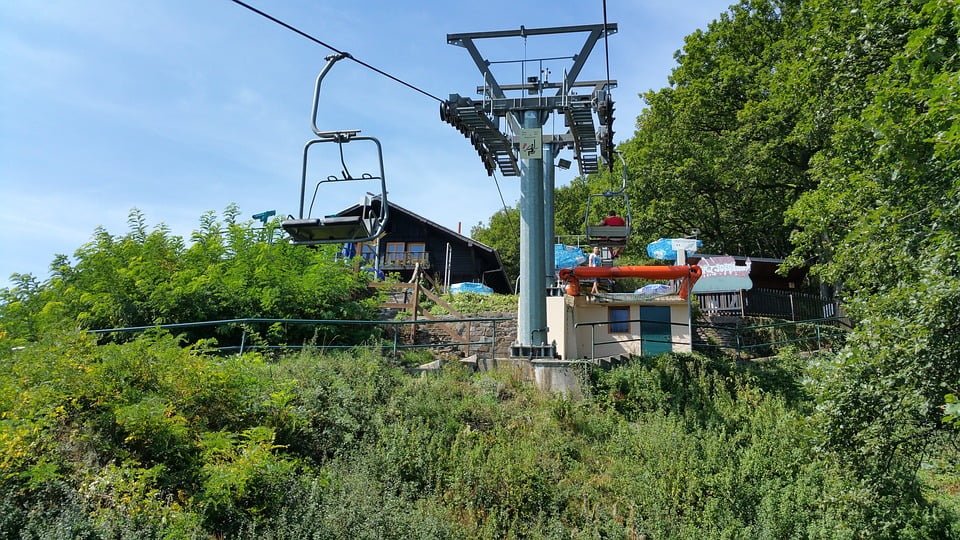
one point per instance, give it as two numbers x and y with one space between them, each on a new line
477 304
152 439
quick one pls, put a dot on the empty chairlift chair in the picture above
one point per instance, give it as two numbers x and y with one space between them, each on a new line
363 226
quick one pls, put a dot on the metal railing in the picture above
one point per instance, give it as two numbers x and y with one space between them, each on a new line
819 334
827 332
822 333
792 305
722 303
398 260
393 346
638 335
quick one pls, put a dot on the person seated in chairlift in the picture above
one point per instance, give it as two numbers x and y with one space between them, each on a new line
613 220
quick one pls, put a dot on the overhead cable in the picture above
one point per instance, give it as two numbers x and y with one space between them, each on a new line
332 48
606 42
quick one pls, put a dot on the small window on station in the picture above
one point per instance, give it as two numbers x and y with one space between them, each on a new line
618 316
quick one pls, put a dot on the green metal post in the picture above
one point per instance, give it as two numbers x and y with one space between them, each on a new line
532 313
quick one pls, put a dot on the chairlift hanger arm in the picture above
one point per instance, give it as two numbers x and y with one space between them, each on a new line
623 175
339 228
623 170
331 60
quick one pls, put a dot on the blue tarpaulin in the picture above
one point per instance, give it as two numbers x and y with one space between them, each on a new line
567 256
348 251
663 248
476 288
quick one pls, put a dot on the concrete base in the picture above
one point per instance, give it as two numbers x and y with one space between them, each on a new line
549 375
560 376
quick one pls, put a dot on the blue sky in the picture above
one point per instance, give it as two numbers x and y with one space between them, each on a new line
177 107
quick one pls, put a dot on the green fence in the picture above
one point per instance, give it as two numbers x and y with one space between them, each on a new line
387 335
769 338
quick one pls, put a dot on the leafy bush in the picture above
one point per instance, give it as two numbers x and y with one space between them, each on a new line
477 304
146 278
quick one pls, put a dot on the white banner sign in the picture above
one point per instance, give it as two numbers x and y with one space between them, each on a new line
531 143
721 274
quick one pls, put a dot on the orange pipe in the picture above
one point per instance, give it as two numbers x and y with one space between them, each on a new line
689 273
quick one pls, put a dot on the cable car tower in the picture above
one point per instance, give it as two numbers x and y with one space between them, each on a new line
521 149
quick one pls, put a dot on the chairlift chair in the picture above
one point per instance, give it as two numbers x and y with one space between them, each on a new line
365 226
610 236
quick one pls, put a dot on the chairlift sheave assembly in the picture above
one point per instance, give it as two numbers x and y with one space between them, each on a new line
370 221
612 236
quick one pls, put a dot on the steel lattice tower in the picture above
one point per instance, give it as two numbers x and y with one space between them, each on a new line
521 149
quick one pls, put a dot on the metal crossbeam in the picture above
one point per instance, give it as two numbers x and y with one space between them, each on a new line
597 86
458 39
503 106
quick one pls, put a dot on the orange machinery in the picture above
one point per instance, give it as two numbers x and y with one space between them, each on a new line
689 273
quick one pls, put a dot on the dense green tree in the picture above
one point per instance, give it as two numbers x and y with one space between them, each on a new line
755 99
705 156
502 233
884 225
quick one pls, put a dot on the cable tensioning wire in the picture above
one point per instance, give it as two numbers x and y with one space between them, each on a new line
332 48
502 201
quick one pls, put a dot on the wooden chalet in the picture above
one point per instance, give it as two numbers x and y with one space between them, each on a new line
411 239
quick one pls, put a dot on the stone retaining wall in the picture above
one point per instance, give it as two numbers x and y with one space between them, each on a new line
479 331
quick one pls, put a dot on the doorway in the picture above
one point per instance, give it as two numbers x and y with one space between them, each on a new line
655 331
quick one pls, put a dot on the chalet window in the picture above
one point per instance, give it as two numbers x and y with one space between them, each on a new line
395 253
368 252
417 251
617 317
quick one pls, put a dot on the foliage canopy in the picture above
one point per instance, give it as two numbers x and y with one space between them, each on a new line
149 277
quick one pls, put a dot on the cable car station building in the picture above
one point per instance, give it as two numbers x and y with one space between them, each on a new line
612 325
